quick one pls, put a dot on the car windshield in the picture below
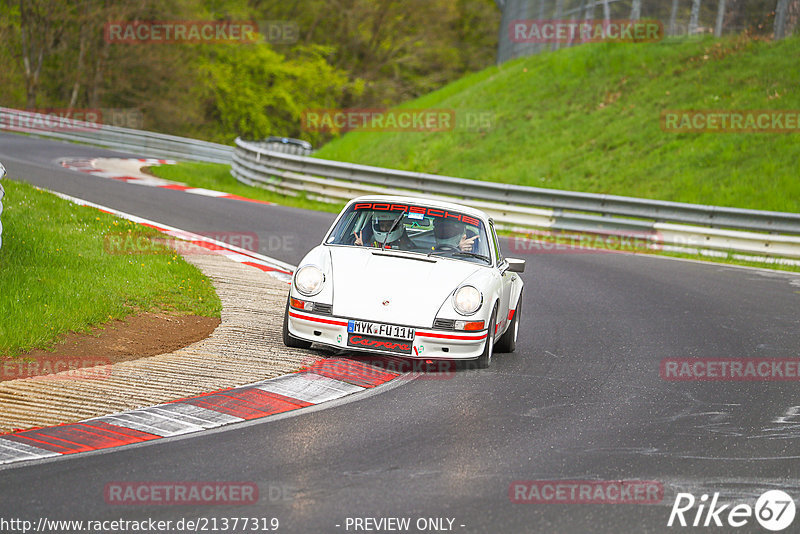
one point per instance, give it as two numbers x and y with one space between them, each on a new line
413 228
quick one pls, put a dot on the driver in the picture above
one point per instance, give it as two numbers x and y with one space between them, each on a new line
452 234
380 229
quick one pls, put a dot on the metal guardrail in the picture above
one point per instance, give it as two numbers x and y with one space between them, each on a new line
287 145
690 226
141 142
671 223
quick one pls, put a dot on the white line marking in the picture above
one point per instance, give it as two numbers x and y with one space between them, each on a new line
12 451
309 387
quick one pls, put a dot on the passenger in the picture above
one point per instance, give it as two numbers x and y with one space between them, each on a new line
451 234
385 228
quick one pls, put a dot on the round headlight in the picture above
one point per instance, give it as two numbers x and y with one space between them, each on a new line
467 300
308 280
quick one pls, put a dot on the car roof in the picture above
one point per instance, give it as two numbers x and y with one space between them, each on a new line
424 201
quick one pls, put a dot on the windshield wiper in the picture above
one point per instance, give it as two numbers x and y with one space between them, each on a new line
473 255
461 253
394 224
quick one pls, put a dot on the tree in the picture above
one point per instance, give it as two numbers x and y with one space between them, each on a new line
42 23
780 19
559 10
400 48
636 10
672 16
254 92
693 21
589 9
720 18
756 17
542 5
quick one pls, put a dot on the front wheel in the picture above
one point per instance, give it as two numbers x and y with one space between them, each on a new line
508 341
485 359
288 340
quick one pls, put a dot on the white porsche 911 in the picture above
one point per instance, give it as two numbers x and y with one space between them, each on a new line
409 277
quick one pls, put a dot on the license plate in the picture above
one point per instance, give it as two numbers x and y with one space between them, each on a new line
390 331
385 344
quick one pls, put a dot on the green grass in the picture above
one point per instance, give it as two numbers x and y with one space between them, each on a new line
587 118
56 276
217 176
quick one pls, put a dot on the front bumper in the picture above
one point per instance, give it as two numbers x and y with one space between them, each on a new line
428 342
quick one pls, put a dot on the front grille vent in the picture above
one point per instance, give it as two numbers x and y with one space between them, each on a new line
445 324
324 309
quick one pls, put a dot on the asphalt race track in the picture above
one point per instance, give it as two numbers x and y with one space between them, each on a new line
581 399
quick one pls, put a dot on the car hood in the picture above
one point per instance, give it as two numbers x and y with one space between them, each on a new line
414 289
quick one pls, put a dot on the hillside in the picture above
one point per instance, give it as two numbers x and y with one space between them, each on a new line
588 119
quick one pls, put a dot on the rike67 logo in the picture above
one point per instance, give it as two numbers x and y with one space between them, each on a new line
774 510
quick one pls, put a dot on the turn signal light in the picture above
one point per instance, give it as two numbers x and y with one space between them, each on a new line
469 325
302 304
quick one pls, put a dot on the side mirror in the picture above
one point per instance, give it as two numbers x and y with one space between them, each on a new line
2 171
515 265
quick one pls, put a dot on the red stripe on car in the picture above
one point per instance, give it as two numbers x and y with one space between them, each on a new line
317 319
450 336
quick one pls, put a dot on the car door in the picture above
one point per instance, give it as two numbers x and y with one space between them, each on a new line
507 280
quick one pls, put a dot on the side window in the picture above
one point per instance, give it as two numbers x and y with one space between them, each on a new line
496 244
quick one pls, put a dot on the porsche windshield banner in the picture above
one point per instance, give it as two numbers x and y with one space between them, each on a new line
421 211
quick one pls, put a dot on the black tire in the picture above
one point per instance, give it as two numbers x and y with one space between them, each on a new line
508 341
288 340
485 359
